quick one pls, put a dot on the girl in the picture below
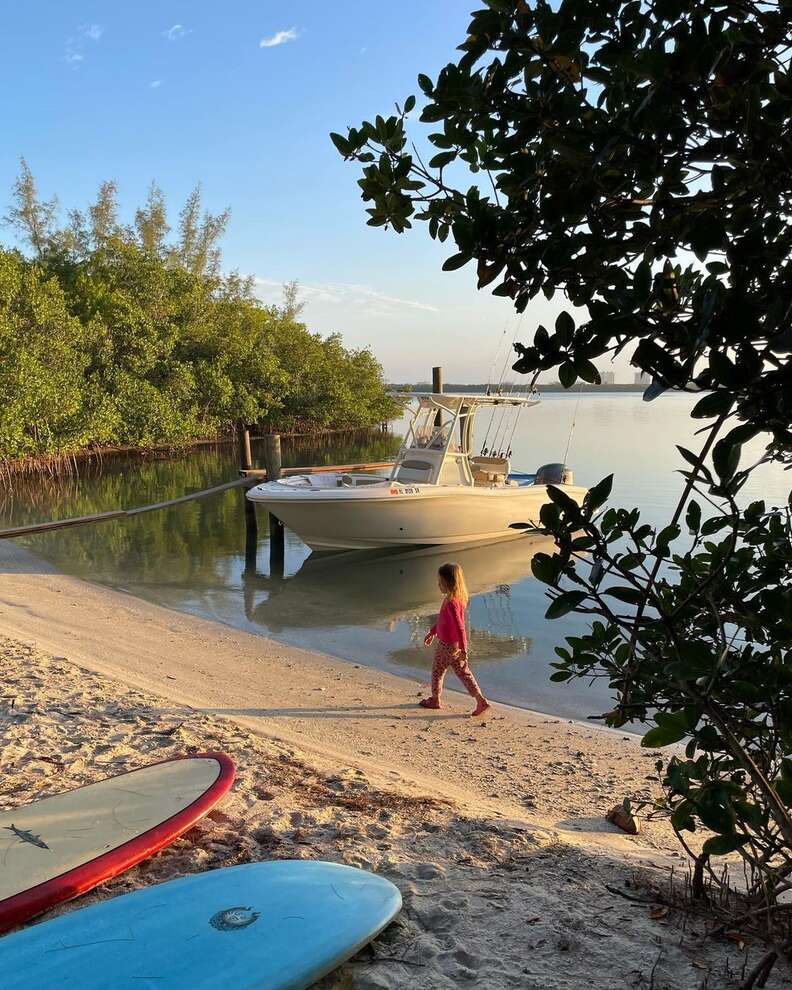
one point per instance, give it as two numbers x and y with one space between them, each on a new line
451 648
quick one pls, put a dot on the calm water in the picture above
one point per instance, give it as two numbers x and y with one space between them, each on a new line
368 607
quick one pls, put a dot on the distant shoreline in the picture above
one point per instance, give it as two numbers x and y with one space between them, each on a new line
551 387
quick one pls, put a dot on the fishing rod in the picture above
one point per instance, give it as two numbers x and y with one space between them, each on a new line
572 426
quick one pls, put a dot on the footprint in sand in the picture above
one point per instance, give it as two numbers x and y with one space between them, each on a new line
421 871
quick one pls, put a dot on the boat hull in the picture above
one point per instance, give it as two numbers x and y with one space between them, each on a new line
389 515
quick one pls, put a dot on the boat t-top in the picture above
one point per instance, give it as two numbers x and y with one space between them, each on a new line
437 493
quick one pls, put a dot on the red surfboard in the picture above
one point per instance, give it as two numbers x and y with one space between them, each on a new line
59 847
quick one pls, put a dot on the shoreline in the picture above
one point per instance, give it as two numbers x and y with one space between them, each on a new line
68 462
493 829
409 674
118 635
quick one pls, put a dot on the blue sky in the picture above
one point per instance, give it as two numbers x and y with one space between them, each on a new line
240 97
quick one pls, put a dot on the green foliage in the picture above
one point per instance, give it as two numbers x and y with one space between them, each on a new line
43 359
33 217
635 157
111 336
702 650
632 156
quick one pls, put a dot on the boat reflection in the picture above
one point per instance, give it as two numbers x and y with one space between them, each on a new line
378 588
485 646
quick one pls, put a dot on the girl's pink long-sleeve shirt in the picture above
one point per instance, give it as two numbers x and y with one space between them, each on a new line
450 625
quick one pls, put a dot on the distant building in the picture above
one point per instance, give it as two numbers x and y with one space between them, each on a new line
641 378
608 377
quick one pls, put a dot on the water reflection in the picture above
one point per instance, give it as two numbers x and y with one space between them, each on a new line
383 588
344 589
368 607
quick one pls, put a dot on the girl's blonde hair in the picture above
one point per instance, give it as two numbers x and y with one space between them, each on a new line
454 582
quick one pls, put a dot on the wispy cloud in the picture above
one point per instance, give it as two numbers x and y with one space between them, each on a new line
346 294
280 38
75 45
175 32
92 31
155 84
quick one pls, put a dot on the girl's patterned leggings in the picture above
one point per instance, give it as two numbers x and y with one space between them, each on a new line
449 655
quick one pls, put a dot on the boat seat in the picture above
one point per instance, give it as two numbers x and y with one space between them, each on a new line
359 480
500 464
417 469
489 470
488 478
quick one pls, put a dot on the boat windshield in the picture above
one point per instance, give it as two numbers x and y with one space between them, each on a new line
438 443
428 432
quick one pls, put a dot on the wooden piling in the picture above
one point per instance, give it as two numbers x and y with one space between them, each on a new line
251 526
251 537
437 387
245 453
272 456
274 466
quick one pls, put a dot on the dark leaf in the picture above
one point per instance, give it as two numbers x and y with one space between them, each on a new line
545 568
565 603
726 458
456 261
671 728
443 159
562 500
587 370
713 404
783 787
565 328
567 374
341 143
599 494
654 390
631 596
722 845
693 517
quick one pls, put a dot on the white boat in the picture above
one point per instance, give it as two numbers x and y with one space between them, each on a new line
438 493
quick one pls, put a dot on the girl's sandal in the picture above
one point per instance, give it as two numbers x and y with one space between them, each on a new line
429 703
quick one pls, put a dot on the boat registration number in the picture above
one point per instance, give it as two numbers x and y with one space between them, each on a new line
405 491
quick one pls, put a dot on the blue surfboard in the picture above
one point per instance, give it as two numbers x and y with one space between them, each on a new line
263 926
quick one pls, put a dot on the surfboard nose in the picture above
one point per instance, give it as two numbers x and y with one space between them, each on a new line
59 847
261 926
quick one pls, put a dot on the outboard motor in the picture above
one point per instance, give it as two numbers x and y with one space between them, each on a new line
554 474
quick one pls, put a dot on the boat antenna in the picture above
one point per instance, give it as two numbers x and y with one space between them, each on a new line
572 426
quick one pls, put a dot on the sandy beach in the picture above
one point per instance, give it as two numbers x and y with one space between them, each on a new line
493 829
